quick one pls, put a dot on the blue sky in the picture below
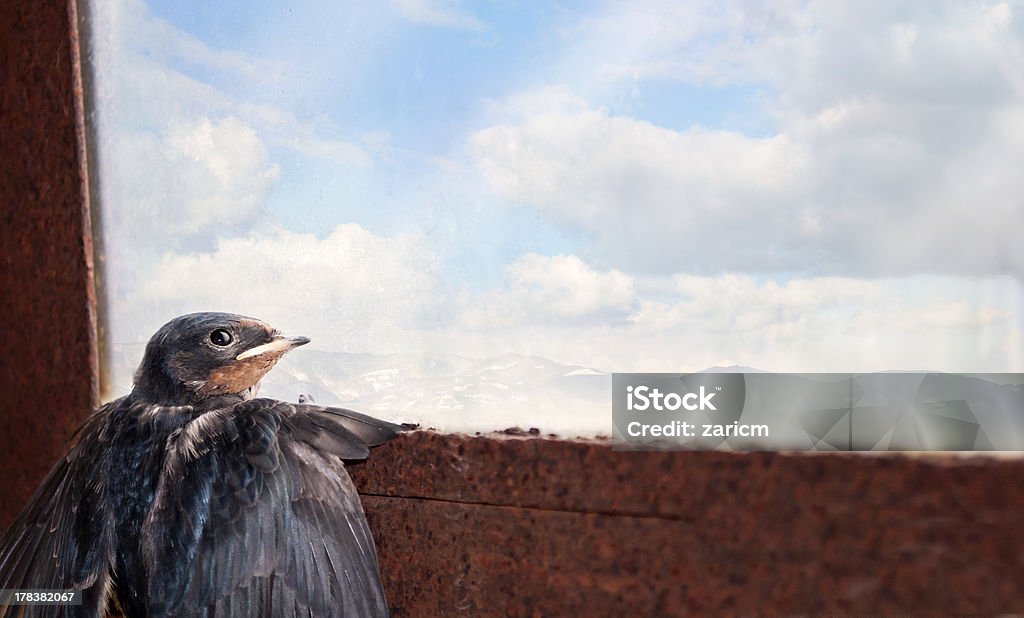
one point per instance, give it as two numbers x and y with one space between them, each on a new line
361 71
627 186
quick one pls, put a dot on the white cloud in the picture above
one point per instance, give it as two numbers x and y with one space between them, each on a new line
183 163
816 53
570 288
895 129
562 289
183 186
356 291
735 304
351 290
830 311
860 188
442 13
144 81
655 199
225 167
688 323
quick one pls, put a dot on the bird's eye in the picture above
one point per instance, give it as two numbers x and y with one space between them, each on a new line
220 337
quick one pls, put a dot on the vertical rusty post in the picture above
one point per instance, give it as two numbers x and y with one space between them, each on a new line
48 359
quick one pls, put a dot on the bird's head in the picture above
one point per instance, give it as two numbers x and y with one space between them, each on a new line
202 355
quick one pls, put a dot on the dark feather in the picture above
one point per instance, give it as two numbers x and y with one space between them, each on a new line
60 540
372 431
255 514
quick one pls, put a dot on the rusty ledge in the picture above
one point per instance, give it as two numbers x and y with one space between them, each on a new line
490 525
588 476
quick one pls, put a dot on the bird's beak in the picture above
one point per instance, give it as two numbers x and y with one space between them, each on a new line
278 345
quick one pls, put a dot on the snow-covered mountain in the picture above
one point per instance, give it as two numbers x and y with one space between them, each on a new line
453 392
444 391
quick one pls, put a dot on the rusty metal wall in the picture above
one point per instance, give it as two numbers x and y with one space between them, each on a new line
520 527
48 364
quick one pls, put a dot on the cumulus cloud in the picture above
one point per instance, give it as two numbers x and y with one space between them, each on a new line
216 172
178 189
352 289
151 75
820 311
894 128
816 53
656 199
570 287
738 304
356 291
182 163
688 323
562 289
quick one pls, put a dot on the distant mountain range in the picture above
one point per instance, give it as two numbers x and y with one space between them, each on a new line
451 392
454 393
443 391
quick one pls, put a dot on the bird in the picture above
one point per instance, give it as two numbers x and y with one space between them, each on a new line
190 496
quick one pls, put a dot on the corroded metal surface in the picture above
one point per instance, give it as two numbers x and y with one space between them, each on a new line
495 526
47 334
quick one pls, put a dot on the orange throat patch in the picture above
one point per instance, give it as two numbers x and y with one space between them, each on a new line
240 374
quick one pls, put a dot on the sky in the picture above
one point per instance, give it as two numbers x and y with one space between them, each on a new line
625 186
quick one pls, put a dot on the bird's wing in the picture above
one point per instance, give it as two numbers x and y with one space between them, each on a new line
372 431
256 515
60 540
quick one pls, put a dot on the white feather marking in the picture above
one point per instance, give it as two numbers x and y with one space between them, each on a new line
191 440
281 344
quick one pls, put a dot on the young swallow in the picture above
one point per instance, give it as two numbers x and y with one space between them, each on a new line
189 497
